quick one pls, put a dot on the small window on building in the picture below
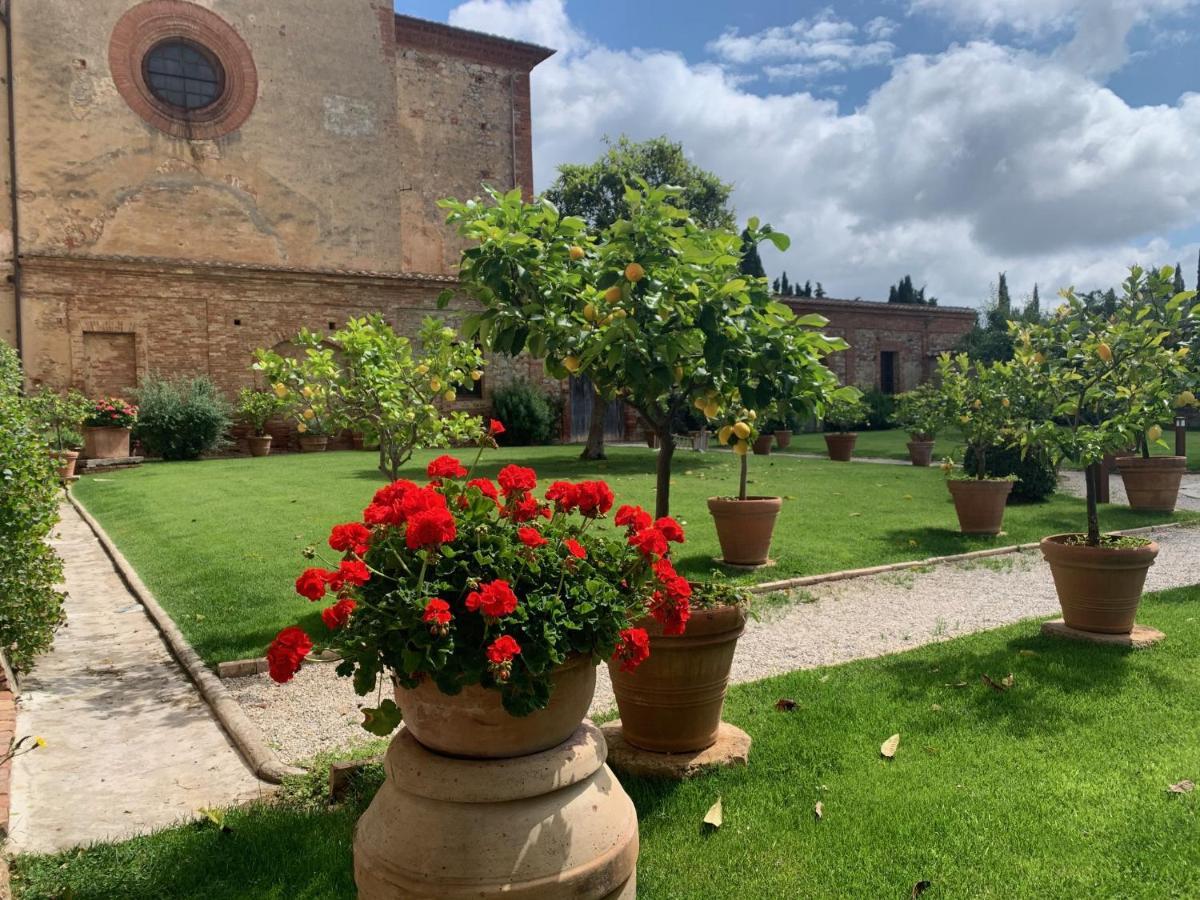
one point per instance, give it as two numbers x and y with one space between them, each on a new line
887 371
184 75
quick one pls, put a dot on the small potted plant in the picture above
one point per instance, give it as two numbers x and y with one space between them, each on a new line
1109 373
309 409
106 428
61 415
744 523
841 418
784 429
980 397
256 408
921 413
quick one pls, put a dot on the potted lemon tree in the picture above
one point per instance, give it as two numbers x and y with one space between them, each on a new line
256 409
60 416
921 412
841 417
1112 377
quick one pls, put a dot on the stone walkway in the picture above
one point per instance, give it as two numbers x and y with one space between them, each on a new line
1189 490
130 744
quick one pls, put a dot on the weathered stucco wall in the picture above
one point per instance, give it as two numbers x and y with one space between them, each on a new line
8 316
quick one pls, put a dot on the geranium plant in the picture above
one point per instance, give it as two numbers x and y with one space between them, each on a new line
257 407
921 412
467 581
111 412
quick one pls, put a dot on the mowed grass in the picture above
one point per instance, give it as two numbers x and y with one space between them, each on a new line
219 542
1056 788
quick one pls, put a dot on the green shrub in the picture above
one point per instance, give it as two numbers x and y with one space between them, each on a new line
180 418
1037 476
880 409
527 414
30 607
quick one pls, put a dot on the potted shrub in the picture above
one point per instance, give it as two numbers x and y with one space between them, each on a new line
1109 373
1152 482
981 398
255 409
783 430
921 413
106 428
488 607
60 416
672 702
744 523
841 418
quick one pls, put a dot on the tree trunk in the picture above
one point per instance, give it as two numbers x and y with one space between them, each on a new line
594 449
742 479
666 450
1092 480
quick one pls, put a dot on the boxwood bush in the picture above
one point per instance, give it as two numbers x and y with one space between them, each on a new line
30 606
181 418
1037 476
527 413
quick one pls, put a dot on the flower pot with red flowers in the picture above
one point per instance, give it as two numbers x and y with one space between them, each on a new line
1113 375
107 427
487 606
744 523
841 417
922 413
60 416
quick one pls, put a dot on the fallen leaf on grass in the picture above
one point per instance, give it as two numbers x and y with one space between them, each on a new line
852 515
819 810
713 818
823 679
937 707
998 686
888 748
1182 787
785 704
919 888
957 684
1028 653
217 818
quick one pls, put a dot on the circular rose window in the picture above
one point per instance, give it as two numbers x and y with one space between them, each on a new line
183 69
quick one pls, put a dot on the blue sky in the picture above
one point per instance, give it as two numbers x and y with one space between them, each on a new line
1053 139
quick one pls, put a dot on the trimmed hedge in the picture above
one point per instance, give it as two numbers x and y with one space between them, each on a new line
527 413
181 418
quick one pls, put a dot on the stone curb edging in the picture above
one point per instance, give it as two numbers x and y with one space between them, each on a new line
246 736
786 584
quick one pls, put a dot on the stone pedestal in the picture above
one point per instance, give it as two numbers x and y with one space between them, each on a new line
731 749
1141 636
539 827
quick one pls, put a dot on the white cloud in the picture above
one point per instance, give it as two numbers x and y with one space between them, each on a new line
962 164
808 47
880 28
542 22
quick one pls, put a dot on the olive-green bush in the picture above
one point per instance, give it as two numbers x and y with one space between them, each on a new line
181 418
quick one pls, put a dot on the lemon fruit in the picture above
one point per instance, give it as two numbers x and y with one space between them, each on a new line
740 448
571 364
634 272
1104 352
613 294
742 430
724 433
589 312
576 251
450 396
1154 432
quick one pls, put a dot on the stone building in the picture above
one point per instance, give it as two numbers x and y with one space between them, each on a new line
188 181
893 346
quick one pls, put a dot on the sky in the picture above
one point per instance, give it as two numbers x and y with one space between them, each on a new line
1055 140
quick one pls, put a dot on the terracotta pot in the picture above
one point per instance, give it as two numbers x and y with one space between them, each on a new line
474 723
762 444
783 439
313 443
840 445
672 702
1152 484
66 462
979 503
106 443
920 452
551 825
260 444
1099 588
744 527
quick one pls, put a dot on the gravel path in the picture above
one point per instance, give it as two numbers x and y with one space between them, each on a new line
1189 489
819 625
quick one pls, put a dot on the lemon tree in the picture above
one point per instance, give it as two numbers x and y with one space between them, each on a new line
991 404
653 310
921 412
367 378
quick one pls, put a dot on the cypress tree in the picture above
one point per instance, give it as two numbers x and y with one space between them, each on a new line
820 290
892 296
1033 309
1003 303
1179 286
775 286
807 289
786 286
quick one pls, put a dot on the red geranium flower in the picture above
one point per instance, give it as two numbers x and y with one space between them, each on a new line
649 542
502 649
525 509
531 537
670 529
516 480
437 612
353 537
595 498
633 517
350 571
385 508
633 648
663 570
495 426
575 548
485 487
563 495
445 467
430 528
287 652
338 615
672 612
312 583
419 500
494 599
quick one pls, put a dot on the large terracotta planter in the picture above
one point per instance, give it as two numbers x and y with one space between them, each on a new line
106 443
1099 588
260 444
551 825
1152 484
979 503
840 445
672 702
783 438
313 443
762 444
66 460
920 452
744 527
474 723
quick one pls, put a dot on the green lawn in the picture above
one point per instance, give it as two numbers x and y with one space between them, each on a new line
219 542
1056 788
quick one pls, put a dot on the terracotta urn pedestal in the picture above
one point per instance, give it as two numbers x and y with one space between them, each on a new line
521 807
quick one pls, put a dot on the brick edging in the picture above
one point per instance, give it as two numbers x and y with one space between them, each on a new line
786 584
246 736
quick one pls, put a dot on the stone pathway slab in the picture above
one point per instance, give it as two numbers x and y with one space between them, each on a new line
130 744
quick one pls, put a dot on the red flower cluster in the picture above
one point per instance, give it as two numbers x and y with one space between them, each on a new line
287 652
593 498
338 615
446 467
531 537
430 528
516 480
437 615
575 548
313 583
495 426
500 653
494 599
648 537
670 606
485 487
633 517
352 537
633 649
